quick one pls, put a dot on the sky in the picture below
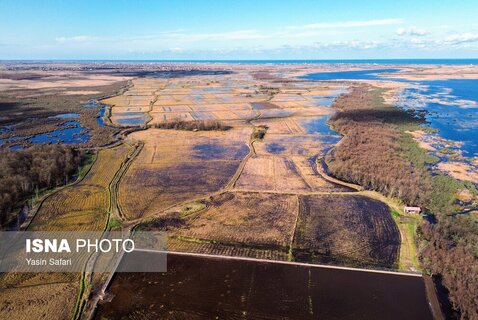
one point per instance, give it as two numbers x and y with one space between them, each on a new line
238 29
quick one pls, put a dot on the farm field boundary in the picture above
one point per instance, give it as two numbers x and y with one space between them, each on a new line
411 274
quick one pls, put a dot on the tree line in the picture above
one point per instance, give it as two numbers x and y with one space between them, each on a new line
25 172
377 153
194 125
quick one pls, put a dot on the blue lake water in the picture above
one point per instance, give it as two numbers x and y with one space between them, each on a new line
7 128
101 114
369 74
11 139
92 103
452 104
15 147
318 125
65 116
70 132
323 101
328 100
452 107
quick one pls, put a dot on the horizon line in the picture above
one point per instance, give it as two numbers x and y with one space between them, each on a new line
245 61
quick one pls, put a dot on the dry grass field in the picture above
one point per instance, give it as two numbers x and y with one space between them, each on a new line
286 144
338 229
81 207
285 161
186 245
279 125
259 225
48 301
271 173
178 165
251 219
353 230
84 205
158 100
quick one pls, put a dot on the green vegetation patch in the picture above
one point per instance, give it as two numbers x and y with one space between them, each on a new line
259 132
197 125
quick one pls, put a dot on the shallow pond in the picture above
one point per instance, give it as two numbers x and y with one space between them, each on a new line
202 116
131 119
65 116
216 90
7 128
101 114
218 151
263 105
328 100
275 148
92 103
71 133
318 125
15 147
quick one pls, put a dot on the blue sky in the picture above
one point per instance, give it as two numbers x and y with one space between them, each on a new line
240 29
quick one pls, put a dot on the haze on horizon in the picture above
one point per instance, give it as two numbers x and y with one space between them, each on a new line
267 29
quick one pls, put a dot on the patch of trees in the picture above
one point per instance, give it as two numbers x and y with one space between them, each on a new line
25 172
450 251
196 125
259 132
372 153
377 153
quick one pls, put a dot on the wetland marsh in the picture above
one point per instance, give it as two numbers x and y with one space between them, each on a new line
186 157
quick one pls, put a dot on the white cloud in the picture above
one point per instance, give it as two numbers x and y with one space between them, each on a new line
413 31
354 44
334 36
461 38
76 39
350 24
290 32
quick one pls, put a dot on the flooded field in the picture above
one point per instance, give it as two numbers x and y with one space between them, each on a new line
176 165
240 289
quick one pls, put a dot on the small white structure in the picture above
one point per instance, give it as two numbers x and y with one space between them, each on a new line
416 210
